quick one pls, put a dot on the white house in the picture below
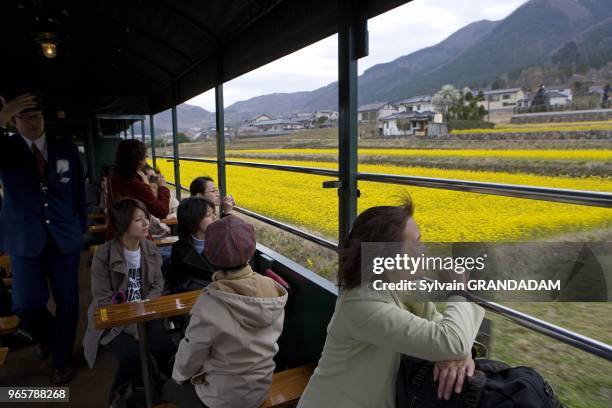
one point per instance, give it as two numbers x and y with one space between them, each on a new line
408 123
525 102
374 112
563 90
330 115
260 118
558 99
502 99
277 125
421 103
307 120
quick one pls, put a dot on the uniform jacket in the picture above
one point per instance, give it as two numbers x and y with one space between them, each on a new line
29 210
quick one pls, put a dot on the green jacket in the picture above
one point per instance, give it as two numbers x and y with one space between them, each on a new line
366 336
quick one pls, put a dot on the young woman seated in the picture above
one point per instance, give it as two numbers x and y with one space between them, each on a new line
189 269
204 186
226 357
126 269
128 180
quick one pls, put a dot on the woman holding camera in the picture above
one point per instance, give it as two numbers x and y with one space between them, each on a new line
129 180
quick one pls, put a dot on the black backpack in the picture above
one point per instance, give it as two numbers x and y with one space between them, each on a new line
494 384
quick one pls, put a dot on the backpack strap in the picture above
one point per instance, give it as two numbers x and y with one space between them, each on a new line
472 389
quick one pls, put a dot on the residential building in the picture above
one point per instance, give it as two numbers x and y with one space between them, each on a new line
259 118
421 103
278 125
374 112
409 123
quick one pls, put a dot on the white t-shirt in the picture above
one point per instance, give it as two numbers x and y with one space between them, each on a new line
132 259
198 244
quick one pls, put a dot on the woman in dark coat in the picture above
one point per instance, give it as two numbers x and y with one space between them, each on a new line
190 270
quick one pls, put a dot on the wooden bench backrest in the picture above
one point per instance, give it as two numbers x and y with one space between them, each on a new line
102 227
5 262
8 324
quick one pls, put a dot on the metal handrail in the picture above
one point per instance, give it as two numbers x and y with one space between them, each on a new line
574 339
580 197
310 237
285 227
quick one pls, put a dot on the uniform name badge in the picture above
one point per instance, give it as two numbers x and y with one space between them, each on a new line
62 166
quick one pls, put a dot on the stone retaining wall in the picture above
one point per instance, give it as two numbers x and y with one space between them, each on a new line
557 135
568 116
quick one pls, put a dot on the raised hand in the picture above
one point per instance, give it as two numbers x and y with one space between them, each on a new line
15 106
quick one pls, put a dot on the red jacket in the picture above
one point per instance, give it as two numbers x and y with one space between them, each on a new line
121 187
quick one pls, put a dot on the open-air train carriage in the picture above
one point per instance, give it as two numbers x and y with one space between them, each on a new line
116 63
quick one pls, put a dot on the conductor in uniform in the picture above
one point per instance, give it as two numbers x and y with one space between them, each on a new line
42 222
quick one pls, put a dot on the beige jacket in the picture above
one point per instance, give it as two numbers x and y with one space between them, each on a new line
366 336
230 342
108 275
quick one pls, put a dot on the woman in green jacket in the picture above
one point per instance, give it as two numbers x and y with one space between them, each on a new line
371 329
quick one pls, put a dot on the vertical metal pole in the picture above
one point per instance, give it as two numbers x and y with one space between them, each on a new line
132 130
152 131
220 124
142 130
145 363
177 171
89 145
347 122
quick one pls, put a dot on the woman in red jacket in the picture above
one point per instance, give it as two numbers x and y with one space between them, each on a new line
128 180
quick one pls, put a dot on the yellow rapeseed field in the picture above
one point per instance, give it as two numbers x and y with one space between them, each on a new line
547 127
578 155
443 215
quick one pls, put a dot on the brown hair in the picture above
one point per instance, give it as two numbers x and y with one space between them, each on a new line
376 224
190 213
128 157
122 212
198 185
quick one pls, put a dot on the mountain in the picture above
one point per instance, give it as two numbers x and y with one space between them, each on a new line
374 84
527 37
188 116
474 55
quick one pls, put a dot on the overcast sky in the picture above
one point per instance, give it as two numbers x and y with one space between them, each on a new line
415 25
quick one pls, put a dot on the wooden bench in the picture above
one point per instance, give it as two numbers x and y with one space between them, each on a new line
286 390
97 216
5 262
288 386
139 313
162 242
94 229
3 353
8 324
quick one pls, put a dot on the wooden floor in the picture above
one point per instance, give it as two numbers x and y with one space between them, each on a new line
89 388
